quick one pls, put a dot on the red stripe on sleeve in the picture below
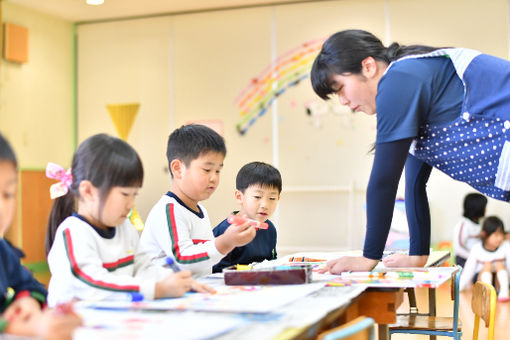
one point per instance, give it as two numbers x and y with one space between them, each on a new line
119 262
175 238
86 278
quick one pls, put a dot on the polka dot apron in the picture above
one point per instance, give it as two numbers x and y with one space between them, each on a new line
474 148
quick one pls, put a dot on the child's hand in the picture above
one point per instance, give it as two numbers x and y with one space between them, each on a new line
235 236
202 288
22 308
174 285
49 325
53 324
242 234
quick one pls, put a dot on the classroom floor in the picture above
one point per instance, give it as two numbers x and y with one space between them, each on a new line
444 307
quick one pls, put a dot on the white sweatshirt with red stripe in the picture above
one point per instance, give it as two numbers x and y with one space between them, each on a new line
476 259
464 236
92 264
172 229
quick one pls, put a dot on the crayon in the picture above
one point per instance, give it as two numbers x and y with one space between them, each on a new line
171 263
305 259
243 267
338 284
235 219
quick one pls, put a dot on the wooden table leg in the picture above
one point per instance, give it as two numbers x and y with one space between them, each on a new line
383 332
411 295
432 306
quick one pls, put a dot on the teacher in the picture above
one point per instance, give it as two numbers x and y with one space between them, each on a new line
447 108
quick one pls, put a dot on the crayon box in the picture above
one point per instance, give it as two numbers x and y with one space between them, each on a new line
277 275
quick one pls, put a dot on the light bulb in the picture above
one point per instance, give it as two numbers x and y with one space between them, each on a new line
95 2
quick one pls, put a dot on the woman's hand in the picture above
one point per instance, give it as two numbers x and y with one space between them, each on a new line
349 263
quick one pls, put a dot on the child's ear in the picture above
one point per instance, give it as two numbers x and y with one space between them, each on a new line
87 190
176 167
239 196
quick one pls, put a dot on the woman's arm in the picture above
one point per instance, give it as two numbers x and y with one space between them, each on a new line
417 205
389 162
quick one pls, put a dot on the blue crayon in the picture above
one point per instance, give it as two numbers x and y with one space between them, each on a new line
171 263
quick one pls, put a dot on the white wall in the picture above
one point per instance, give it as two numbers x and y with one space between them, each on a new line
36 111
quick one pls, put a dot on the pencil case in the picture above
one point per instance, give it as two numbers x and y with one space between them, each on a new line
278 275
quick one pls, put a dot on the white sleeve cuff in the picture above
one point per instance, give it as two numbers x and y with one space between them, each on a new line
213 252
148 288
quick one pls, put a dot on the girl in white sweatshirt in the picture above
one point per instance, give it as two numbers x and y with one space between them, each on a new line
491 255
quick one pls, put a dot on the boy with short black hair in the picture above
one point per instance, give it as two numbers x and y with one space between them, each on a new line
258 188
178 225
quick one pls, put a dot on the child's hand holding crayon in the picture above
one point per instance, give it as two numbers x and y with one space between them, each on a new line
236 235
174 285
239 220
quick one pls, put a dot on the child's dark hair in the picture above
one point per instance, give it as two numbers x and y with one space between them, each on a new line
259 173
191 141
6 151
106 162
474 206
344 51
491 225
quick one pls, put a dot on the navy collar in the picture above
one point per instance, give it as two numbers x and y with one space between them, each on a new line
200 214
109 233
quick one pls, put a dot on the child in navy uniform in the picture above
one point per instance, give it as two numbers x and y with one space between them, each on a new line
23 315
258 188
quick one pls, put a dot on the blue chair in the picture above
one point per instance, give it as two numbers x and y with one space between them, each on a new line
415 323
361 328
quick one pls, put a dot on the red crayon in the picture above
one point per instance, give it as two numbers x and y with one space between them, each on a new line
235 219
305 259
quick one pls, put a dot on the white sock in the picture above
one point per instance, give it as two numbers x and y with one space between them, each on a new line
502 276
486 277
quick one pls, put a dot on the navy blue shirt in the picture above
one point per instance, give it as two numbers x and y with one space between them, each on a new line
14 275
413 92
262 247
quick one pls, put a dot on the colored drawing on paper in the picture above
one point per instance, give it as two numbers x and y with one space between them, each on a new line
396 277
288 70
237 299
105 324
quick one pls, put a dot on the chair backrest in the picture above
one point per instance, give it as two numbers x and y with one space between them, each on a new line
483 304
361 328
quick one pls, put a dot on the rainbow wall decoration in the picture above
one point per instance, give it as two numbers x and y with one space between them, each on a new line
288 70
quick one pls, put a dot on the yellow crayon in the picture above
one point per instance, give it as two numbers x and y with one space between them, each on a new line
243 267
